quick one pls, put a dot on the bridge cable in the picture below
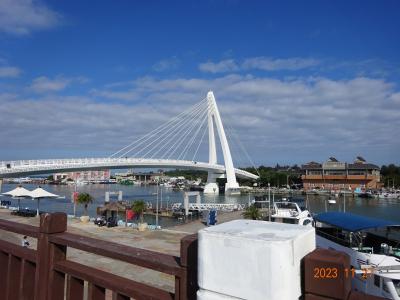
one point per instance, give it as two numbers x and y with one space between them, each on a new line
242 147
156 130
175 134
188 131
189 145
201 141
170 131
166 127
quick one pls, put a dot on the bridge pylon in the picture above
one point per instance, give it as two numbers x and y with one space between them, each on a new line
211 187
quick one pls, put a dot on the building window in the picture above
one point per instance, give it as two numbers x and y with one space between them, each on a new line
377 281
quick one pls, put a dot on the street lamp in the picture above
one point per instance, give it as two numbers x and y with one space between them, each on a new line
157 208
214 189
269 202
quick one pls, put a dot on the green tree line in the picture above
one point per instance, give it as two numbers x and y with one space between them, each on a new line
391 175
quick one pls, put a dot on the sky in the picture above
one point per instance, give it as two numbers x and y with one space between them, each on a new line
295 81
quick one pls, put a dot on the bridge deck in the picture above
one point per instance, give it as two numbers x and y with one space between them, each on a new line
31 167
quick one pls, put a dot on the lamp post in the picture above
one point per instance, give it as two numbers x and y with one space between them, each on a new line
161 198
214 189
167 204
74 197
344 201
157 208
273 199
269 202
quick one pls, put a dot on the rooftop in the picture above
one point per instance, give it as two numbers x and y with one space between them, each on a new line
352 222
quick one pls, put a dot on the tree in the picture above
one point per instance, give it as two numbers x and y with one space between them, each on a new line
85 199
139 207
252 212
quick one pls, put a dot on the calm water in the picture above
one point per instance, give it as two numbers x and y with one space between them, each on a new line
385 209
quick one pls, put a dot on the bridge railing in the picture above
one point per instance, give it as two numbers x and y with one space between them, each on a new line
32 164
46 273
14 167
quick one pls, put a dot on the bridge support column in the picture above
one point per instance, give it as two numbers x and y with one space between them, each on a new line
231 186
211 186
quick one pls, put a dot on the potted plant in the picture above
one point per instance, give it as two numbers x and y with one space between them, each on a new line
85 199
252 212
139 207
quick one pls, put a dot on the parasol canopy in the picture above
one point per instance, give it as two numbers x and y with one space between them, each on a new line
40 193
19 192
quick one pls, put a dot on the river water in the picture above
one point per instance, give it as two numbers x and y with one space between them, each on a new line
379 208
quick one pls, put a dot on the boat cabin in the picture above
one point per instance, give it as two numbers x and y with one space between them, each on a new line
360 233
291 212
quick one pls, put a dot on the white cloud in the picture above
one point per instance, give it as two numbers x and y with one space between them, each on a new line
275 64
44 84
293 120
259 63
21 17
166 64
227 65
9 72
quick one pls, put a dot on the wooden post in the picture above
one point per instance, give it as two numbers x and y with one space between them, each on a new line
49 284
187 286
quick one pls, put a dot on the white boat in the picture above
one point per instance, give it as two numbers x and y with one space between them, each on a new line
290 212
332 201
373 246
389 195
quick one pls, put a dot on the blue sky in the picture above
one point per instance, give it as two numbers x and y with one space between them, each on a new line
297 81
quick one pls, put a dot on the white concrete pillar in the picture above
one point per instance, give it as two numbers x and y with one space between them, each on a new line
186 204
213 115
258 260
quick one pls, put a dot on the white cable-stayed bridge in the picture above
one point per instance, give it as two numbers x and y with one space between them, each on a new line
174 144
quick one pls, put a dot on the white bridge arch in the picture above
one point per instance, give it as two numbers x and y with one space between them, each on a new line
31 167
162 137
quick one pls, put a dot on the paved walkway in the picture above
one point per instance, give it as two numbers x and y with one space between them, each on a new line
164 241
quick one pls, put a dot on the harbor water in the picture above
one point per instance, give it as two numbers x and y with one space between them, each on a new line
388 209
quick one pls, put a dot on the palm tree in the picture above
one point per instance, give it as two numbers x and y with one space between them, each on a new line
252 212
85 199
139 207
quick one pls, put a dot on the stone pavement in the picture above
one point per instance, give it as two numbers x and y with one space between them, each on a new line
164 241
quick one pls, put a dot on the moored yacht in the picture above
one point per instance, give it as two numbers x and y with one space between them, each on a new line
291 212
373 246
389 195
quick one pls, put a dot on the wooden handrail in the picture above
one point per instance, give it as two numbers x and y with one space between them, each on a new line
24 253
165 263
19 228
112 282
42 272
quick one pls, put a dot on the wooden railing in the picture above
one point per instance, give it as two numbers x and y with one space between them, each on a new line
46 274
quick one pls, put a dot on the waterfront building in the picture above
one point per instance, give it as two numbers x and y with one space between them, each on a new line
140 176
90 176
336 175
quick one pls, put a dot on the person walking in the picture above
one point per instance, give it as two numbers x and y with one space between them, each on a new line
25 242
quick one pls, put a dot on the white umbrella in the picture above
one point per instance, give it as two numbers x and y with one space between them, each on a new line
19 192
41 193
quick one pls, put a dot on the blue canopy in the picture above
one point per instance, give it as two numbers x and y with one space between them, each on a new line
351 222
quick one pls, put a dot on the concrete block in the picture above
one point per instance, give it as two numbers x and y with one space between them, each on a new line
253 259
